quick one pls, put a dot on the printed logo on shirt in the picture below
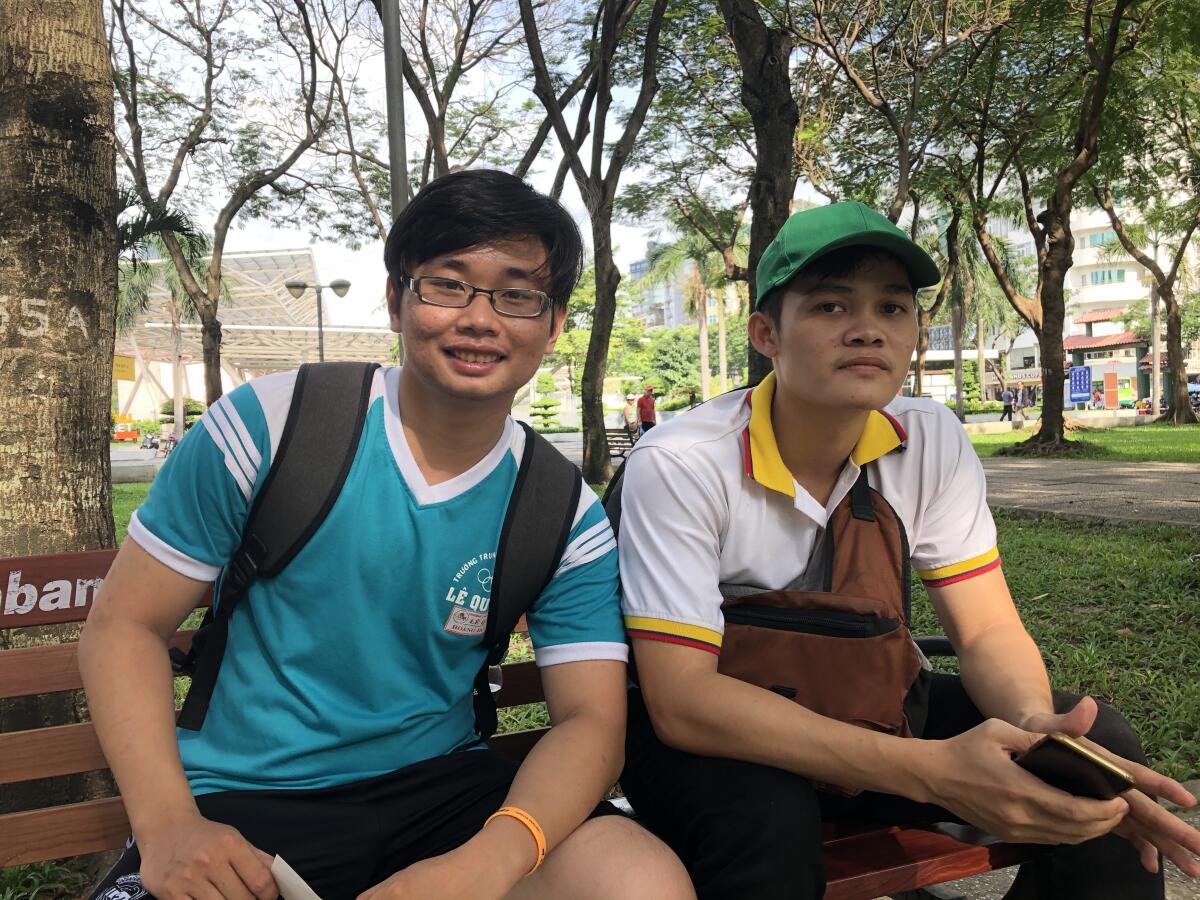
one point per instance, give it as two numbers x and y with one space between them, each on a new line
127 887
470 592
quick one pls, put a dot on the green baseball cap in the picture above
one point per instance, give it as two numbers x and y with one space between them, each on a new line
809 235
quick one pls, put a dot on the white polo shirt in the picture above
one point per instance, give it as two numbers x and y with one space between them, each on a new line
707 500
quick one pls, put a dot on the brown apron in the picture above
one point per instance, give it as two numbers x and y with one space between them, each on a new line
837 641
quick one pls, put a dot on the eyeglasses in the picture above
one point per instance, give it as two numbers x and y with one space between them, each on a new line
519 303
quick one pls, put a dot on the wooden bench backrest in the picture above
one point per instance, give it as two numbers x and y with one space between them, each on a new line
59 589
47 590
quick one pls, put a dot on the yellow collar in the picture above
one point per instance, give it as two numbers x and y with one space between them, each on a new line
760 453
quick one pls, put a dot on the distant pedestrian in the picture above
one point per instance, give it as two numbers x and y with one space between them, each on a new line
645 407
1020 399
630 413
1097 399
1006 397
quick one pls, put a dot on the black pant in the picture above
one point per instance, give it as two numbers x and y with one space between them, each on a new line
1007 412
749 831
344 839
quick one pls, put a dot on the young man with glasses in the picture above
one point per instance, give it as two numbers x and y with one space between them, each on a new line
766 542
340 732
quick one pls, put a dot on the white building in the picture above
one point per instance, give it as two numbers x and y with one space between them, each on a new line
662 305
1103 284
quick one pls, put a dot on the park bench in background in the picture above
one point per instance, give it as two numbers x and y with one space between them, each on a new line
620 442
862 863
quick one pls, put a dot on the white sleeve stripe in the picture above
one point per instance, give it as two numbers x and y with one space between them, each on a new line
231 462
167 555
597 532
580 652
587 498
239 426
220 415
608 547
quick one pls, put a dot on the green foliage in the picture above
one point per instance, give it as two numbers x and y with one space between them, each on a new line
41 881
190 408
544 412
970 369
545 384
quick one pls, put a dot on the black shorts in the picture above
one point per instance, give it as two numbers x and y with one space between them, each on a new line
342 840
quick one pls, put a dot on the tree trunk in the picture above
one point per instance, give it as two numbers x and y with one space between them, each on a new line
763 55
980 358
723 338
1179 405
923 320
702 321
1059 247
58 297
597 468
210 333
956 329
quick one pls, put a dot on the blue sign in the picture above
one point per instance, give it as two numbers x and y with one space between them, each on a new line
1080 381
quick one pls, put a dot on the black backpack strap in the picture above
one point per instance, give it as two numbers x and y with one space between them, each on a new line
318 445
860 498
536 526
612 499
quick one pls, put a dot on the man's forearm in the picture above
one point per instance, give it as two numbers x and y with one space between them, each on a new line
134 715
568 772
721 716
1003 673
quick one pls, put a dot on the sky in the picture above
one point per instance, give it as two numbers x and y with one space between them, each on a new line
363 303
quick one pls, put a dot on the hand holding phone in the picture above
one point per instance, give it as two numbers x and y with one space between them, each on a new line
1063 762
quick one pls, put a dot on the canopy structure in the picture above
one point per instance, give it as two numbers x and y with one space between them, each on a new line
263 327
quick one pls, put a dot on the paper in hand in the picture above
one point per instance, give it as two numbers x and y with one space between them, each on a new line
291 886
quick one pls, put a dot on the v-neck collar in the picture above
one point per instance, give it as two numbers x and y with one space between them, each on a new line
422 491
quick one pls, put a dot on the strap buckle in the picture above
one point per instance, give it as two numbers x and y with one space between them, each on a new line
495 678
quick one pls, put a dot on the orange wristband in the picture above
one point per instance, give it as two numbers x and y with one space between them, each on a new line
529 822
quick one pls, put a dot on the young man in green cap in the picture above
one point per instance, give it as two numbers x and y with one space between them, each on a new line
765 545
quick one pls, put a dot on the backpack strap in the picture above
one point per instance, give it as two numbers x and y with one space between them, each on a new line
319 442
536 526
612 499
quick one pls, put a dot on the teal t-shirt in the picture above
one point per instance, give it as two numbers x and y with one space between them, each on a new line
358 659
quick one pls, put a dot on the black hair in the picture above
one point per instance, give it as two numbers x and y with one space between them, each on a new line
841 263
469 208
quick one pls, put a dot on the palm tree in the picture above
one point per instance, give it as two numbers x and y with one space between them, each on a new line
142 253
704 273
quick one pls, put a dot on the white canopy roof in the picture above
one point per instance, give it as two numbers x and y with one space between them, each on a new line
264 329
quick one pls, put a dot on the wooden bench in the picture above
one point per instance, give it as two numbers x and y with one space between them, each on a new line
862 863
620 442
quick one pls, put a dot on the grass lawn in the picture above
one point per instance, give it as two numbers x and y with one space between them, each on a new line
1143 443
1115 609
126 498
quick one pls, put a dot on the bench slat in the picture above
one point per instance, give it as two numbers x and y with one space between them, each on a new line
881 863
39 571
51 667
522 684
46 752
62 831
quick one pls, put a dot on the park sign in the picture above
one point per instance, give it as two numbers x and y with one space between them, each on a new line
1080 381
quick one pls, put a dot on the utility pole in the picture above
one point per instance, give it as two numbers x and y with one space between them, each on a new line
393 69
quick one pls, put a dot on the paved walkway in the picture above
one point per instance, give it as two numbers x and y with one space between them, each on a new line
1108 491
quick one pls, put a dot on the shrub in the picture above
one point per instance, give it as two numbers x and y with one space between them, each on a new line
544 412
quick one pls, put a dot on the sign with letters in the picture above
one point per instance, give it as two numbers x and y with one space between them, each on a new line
1080 381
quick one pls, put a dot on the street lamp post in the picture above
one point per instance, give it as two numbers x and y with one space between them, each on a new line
297 288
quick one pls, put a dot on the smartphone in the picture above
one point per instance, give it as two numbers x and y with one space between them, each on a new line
1065 763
